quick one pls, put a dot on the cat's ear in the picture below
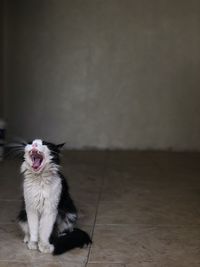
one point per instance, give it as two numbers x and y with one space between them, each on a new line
60 146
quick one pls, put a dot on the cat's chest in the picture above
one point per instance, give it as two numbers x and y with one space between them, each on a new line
40 195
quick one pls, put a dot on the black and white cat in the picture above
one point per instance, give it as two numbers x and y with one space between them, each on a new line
48 214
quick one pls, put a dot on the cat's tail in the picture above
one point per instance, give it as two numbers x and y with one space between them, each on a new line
67 241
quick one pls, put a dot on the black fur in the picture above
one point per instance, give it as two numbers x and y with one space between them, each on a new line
69 239
22 216
66 204
55 150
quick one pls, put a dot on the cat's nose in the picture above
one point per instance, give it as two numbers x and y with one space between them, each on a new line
34 145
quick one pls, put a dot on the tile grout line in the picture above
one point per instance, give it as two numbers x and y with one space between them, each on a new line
108 262
10 200
98 203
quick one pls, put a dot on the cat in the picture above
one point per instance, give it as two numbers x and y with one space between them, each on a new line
48 214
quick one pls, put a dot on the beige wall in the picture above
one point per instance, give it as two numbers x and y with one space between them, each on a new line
105 73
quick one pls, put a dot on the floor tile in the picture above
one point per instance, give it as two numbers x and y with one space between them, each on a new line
10 190
86 157
127 244
86 213
124 186
130 157
104 264
166 263
151 211
11 181
39 264
9 210
180 161
85 182
148 214
11 237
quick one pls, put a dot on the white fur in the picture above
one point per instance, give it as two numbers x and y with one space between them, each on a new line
42 191
25 229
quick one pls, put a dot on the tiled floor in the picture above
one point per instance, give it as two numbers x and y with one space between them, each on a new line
142 209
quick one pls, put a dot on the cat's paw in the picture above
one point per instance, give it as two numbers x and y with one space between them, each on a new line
26 239
32 245
45 247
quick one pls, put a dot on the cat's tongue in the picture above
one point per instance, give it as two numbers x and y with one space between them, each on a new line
36 163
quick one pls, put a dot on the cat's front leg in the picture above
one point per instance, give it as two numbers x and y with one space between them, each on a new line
46 226
33 222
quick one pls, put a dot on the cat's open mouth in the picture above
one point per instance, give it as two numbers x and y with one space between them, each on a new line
37 159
